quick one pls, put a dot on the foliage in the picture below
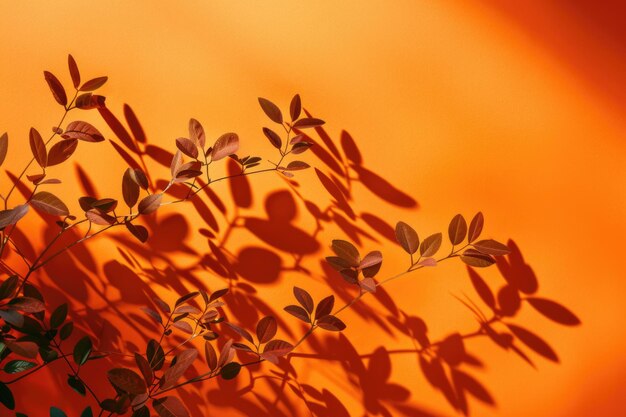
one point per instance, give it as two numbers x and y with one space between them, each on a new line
35 334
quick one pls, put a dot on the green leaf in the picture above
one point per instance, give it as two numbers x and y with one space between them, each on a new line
15 366
87 412
82 349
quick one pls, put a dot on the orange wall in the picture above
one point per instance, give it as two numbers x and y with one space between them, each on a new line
515 111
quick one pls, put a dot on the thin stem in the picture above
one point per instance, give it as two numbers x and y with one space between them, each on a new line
314 326
75 372
19 177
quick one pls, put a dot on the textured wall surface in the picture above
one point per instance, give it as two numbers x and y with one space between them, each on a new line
514 110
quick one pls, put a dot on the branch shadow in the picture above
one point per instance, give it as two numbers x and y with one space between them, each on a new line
275 245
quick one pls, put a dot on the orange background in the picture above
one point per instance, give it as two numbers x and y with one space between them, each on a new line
513 109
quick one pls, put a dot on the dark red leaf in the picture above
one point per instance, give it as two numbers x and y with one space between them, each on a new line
127 380
188 147
49 203
491 247
183 361
407 237
4 146
105 205
308 122
300 147
196 133
431 245
240 331
140 232
273 137
325 306
476 227
211 355
477 259
337 263
38 147
150 204
130 188
370 264
144 367
93 84
169 407
457 229
12 216
99 218
275 349
298 312
331 323
266 329
304 298
296 166
140 178
61 151
27 304
226 145
74 73
271 110
25 349
295 107
56 87
82 131
368 285
346 251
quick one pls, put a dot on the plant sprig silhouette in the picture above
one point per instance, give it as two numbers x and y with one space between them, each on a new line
34 335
